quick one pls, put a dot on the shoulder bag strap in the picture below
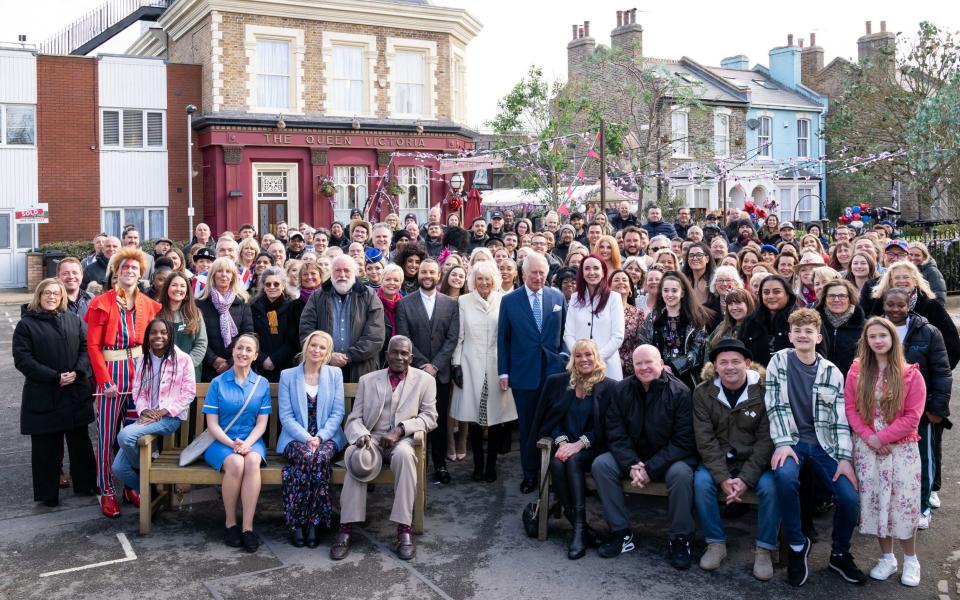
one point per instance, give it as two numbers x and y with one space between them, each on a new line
245 403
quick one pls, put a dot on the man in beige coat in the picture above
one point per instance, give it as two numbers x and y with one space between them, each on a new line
391 405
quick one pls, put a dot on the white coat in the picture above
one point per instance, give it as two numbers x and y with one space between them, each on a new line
476 353
606 329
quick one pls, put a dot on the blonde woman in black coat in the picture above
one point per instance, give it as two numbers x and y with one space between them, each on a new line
50 349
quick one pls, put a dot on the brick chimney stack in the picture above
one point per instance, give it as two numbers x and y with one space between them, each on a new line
877 47
628 35
579 51
811 61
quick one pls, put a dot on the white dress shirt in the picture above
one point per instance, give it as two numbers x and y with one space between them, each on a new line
429 301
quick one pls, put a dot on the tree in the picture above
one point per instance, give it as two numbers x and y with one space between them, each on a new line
531 121
902 101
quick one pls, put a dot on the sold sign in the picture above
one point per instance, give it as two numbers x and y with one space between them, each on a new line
37 214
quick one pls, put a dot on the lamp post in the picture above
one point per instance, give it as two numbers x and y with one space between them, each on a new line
190 110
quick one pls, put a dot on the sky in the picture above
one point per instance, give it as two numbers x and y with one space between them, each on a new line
519 33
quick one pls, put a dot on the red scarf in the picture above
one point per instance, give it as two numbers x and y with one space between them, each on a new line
390 307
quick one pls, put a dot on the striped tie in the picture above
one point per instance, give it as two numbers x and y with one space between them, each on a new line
537 311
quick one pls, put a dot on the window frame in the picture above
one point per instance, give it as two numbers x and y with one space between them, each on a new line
290 75
364 80
4 125
421 180
680 145
803 151
724 115
458 86
430 59
144 125
341 203
768 155
146 231
295 40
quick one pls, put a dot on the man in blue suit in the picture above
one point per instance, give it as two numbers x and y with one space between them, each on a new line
529 348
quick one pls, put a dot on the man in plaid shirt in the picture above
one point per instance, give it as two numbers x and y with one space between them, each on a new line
804 400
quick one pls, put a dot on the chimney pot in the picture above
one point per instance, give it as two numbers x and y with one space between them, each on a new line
869 27
801 42
633 15
586 28
619 18
883 25
789 39
574 28
813 39
580 32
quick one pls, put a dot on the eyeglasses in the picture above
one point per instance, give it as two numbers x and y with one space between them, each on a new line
838 297
696 255
50 294
658 248
271 284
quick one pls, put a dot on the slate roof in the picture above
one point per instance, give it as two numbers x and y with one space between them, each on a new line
764 90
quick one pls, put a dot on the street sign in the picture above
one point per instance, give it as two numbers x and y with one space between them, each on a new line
35 214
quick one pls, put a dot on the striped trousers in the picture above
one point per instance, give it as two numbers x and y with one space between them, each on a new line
109 416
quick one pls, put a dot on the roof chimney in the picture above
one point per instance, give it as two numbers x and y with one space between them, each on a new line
619 18
574 33
739 62
877 47
586 28
800 42
811 62
628 36
785 65
579 51
883 26
813 40
789 39
869 27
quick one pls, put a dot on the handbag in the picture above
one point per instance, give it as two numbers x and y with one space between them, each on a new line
199 445
532 510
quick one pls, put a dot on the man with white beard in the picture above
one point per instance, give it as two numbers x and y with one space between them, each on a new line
353 316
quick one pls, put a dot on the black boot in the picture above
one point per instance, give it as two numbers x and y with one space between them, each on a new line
493 443
476 447
578 544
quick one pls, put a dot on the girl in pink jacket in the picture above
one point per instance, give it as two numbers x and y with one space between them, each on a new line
164 385
885 396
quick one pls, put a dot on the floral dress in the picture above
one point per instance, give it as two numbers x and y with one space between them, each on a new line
305 486
631 337
889 485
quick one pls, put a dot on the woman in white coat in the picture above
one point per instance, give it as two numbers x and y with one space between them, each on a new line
595 313
477 398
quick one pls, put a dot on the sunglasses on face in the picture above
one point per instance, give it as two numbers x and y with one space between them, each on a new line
271 284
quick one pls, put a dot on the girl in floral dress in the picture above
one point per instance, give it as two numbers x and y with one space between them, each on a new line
884 400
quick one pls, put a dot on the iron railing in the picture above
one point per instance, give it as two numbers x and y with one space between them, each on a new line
944 246
94 23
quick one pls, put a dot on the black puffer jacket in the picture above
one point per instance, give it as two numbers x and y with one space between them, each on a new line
938 316
923 345
840 343
95 271
44 346
765 334
931 272
655 428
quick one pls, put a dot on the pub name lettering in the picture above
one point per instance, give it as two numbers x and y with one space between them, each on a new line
342 140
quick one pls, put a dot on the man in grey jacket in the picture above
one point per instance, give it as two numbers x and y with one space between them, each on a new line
353 316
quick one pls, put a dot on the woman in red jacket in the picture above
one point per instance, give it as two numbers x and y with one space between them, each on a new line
116 326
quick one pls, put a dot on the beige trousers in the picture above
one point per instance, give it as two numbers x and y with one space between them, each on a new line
403 463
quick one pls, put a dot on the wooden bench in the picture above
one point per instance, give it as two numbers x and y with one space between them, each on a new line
165 470
654 488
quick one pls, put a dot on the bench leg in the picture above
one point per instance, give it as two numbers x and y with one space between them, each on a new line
544 511
146 490
420 501
168 497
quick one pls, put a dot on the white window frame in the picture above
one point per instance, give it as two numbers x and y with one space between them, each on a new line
721 115
369 45
805 196
342 183
430 91
420 177
144 147
803 142
698 200
294 37
458 85
768 153
682 191
146 232
3 125
680 144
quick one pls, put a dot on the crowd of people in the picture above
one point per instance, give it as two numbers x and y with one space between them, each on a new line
723 359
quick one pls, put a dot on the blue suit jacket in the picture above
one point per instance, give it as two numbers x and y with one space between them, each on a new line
526 355
292 407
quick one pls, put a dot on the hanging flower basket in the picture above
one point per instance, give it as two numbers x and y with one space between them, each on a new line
455 203
327 189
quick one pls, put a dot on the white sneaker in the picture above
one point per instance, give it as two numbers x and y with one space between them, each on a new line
884 568
911 573
934 500
924 522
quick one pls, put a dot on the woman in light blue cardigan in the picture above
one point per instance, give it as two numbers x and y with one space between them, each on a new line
311 410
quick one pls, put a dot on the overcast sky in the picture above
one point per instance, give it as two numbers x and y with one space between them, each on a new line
518 33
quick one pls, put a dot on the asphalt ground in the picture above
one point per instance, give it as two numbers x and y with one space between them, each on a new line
473 546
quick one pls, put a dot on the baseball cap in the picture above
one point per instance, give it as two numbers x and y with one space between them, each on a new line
787 225
295 234
204 252
899 244
355 213
496 215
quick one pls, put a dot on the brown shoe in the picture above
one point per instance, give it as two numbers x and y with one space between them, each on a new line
404 546
341 546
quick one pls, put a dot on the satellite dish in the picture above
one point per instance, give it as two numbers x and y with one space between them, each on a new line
753 123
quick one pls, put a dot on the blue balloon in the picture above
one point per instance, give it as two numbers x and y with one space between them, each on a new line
865 218
856 210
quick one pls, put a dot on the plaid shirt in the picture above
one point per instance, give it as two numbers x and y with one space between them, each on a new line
829 415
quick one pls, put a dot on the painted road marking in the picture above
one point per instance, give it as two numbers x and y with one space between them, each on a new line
128 552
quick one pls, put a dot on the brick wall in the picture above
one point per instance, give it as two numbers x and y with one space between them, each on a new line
196 48
67 128
235 60
184 87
